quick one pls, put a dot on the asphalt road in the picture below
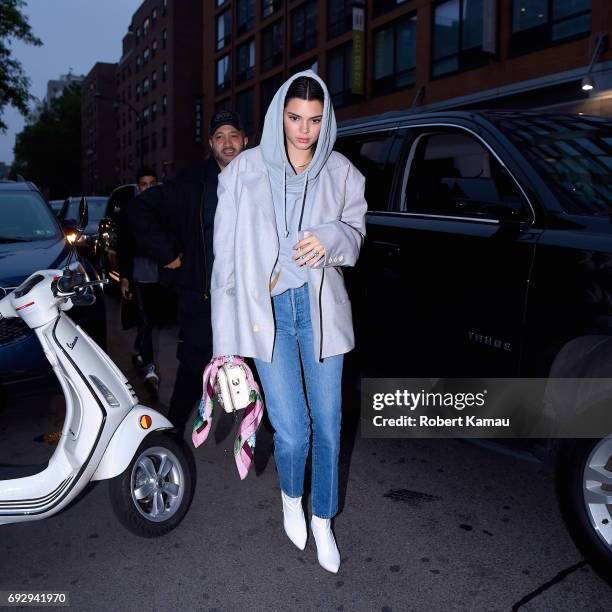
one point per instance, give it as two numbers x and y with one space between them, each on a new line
424 525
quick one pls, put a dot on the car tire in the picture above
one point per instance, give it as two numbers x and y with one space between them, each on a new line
139 515
583 468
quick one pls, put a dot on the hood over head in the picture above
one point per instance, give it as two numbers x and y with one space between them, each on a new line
273 144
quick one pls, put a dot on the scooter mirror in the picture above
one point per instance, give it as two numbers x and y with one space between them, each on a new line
83 215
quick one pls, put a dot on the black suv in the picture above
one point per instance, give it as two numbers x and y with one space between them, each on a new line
489 254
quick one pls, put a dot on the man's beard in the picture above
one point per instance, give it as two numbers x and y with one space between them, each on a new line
221 160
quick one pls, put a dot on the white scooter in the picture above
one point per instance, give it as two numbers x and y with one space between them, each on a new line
107 434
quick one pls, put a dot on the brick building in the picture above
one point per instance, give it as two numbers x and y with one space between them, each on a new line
159 89
183 60
381 55
97 142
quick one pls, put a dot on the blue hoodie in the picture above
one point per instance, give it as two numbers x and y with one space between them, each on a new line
293 193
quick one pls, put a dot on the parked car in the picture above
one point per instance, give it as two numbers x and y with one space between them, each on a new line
31 239
68 215
106 248
56 206
489 254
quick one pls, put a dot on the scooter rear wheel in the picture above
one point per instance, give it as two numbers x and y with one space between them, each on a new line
153 494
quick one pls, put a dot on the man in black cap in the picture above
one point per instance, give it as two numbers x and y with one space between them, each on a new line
173 224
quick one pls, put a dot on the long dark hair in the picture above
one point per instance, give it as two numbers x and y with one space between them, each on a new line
305 88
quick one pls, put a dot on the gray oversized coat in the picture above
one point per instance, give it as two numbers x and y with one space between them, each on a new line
246 249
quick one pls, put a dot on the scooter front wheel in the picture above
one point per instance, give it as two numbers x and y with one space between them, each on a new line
153 494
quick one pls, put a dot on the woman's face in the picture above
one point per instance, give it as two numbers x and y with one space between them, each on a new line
302 122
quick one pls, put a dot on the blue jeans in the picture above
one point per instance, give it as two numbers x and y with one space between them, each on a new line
289 413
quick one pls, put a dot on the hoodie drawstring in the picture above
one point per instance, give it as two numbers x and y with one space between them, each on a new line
285 199
302 199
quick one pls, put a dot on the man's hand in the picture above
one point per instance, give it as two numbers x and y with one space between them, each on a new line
126 294
308 251
176 263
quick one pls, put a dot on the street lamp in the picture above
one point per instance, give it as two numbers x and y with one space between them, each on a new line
600 46
116 102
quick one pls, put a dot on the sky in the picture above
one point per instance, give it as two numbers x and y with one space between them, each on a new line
75 34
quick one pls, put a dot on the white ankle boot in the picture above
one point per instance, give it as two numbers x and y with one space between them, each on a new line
294 521
327 551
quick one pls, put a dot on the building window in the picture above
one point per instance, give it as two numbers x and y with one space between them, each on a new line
145 26
138 63
457 37
225 104
164 105
269 7
537 24
137 35
146 115
395 56
154 48
154 111
164 138
246 15
154 16
224 75
137 92
268 88
164 38
384 6
145 85
224 29
339 82
246 61
220 2
272 45
145 55
304 27
164 6
245 106
339 17
154 80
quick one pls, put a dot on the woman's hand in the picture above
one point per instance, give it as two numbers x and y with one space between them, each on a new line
308 251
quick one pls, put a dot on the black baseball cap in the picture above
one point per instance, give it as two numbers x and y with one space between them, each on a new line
224 117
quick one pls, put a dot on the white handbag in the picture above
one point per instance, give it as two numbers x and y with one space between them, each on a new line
233 387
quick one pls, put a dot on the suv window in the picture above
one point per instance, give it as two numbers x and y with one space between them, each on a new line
452 173
572 153
374 155
25 217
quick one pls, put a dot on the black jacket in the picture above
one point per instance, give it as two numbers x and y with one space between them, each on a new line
177 217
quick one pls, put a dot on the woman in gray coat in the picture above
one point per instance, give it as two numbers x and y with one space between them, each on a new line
291 214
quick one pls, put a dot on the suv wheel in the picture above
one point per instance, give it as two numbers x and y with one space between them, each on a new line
584 487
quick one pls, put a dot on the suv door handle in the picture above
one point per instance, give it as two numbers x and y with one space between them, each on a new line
392 249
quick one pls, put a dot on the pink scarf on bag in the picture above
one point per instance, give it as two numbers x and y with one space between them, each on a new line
244 445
